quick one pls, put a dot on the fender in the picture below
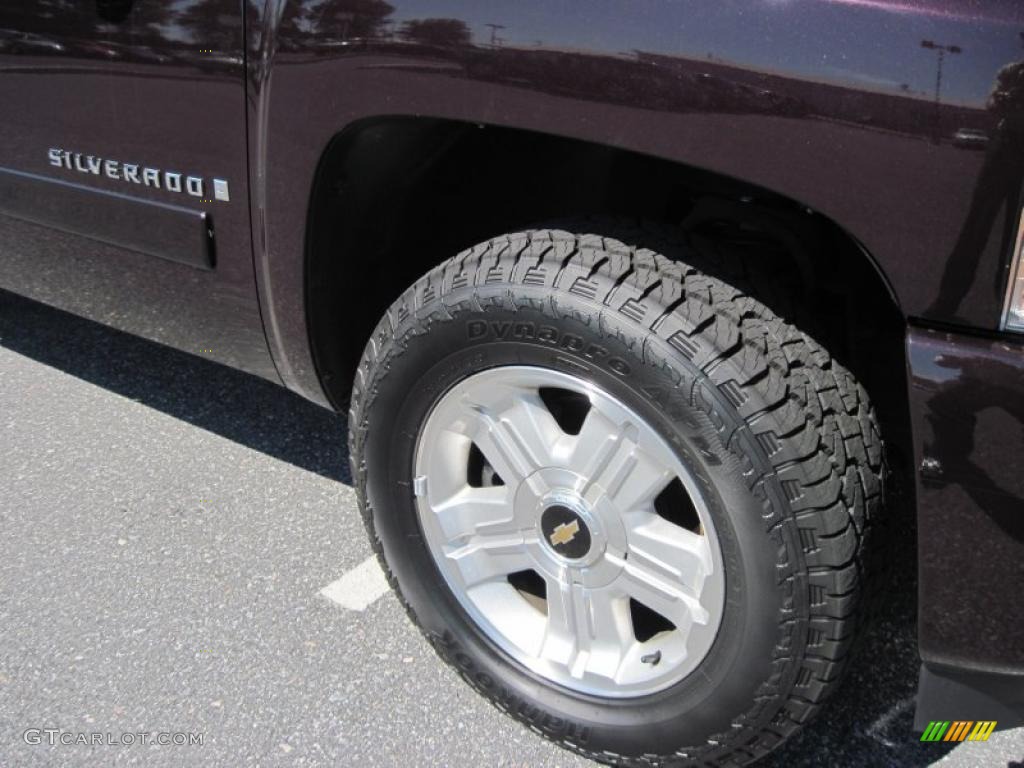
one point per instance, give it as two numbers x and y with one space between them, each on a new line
789 96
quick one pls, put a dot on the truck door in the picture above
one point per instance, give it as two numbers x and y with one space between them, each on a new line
123 174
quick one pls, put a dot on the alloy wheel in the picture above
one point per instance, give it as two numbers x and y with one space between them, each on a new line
569 531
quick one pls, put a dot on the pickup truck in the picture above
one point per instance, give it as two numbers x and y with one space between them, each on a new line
653 320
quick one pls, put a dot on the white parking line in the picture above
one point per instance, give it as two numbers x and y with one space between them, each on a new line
358 588
878 729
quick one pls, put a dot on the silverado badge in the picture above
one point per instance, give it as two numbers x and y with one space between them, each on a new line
134 173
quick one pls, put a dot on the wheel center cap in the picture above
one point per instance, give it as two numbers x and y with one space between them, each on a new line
566 532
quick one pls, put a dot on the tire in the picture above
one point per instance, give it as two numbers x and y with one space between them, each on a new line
778 437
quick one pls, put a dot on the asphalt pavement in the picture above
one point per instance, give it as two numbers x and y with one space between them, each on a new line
168 526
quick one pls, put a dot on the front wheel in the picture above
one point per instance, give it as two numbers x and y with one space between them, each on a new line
624 499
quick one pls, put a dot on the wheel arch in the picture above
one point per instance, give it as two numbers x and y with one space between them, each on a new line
393 196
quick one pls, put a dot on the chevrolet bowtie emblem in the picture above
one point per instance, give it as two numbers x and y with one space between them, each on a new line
564 533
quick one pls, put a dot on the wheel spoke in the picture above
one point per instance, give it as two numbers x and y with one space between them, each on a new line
611 632
650 586
518 439
469 511
610 455
669 551
484 538
588 629
560 634
489 557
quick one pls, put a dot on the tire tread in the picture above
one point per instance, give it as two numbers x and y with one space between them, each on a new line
771 390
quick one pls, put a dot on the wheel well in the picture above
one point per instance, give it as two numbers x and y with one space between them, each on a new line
395 196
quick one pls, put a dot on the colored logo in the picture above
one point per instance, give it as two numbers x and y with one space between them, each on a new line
958 730
565 533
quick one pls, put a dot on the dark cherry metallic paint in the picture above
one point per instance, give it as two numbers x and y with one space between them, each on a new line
835 104
132 81
147 226
847 142
967 399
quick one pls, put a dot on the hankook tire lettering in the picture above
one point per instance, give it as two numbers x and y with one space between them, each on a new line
550 724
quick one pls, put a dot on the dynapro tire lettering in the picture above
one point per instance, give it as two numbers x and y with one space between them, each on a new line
523 330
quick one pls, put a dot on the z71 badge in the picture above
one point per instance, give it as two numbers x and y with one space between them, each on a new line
137 174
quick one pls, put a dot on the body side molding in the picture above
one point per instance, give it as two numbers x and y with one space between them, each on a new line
145 226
